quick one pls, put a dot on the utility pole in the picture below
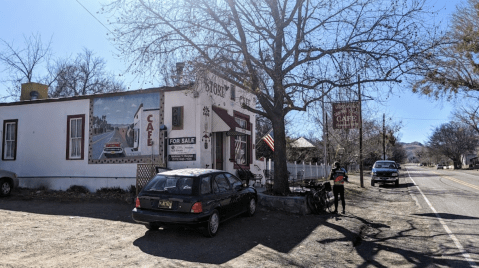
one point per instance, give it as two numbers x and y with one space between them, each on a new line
384 137
361 179
325 136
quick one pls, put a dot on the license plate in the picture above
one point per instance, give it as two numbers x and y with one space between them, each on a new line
165 204
112 152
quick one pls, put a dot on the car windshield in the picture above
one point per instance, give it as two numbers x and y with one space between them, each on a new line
171 184
384 165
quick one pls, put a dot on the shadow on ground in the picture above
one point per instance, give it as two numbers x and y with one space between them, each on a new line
105 210
447 216
276 230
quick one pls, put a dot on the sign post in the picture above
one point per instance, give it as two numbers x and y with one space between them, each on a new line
347 115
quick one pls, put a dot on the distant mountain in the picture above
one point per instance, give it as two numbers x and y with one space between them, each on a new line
411 148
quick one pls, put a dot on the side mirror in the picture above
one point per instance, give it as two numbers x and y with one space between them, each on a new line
239 187
399 167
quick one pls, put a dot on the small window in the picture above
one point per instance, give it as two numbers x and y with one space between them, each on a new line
75 137
222 183
177 118
206 185
9 148
241 144
233 92
233 180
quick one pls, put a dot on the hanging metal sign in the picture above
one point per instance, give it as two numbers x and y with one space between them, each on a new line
346 115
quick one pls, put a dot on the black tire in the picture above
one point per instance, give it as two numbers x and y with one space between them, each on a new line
152 226
251 207
325 200
372 183
397 183
212 225
311 203
5 188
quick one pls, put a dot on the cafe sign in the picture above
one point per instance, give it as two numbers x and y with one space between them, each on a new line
346 115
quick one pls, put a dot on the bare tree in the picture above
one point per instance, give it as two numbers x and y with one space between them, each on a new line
453 68
283 51
452 140
469 114
83 76
22 64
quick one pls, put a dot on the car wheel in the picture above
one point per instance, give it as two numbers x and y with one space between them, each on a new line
311 204
152 226
372 183
251 207
212 225
5 188
397 183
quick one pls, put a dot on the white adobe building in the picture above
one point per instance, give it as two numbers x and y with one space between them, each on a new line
61 142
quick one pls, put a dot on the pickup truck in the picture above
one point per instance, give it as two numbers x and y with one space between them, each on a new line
385 171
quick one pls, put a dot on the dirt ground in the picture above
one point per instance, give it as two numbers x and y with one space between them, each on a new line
38 230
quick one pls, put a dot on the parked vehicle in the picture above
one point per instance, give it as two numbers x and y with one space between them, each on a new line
196 197
385 171
8 182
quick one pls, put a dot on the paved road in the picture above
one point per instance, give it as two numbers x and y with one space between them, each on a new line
450 199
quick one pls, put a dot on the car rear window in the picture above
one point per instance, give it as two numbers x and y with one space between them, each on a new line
171 184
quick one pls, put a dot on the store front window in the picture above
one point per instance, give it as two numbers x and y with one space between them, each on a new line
241 144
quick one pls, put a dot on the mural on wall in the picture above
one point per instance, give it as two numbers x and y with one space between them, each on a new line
124 128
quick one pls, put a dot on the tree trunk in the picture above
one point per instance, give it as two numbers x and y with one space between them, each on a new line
280 185
457 164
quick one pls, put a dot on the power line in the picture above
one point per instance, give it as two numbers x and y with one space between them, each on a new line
424 119
94 16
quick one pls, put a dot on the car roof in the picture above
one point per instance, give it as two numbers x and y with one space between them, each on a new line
191 172
389 161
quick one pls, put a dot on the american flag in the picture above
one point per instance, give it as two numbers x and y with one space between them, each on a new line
269 139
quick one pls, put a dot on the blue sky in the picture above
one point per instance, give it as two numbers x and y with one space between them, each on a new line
72 28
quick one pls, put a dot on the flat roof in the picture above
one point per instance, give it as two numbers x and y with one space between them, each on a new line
111 94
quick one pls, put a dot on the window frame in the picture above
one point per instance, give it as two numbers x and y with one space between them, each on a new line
249 149
178 111
4 141
82 139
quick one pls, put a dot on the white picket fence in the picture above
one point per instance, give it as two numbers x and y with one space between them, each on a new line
297 172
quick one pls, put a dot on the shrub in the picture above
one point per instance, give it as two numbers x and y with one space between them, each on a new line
106 190
131 189
78 189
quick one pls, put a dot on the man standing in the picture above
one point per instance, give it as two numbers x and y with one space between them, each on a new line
338 174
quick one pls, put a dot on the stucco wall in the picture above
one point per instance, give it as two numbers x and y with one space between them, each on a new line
41 149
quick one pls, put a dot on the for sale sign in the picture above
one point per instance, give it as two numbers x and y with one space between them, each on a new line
346 115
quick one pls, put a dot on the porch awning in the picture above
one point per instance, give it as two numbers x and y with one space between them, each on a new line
223 122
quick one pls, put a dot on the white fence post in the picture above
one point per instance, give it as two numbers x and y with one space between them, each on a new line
295 171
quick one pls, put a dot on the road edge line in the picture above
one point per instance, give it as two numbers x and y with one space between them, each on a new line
444 225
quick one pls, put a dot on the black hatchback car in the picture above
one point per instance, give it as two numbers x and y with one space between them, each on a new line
196 197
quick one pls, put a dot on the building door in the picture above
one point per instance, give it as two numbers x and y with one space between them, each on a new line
219 151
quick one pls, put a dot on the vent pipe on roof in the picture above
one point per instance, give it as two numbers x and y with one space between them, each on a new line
179 72
33 91
34 95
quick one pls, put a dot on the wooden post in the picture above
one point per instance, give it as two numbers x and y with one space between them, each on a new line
361 178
